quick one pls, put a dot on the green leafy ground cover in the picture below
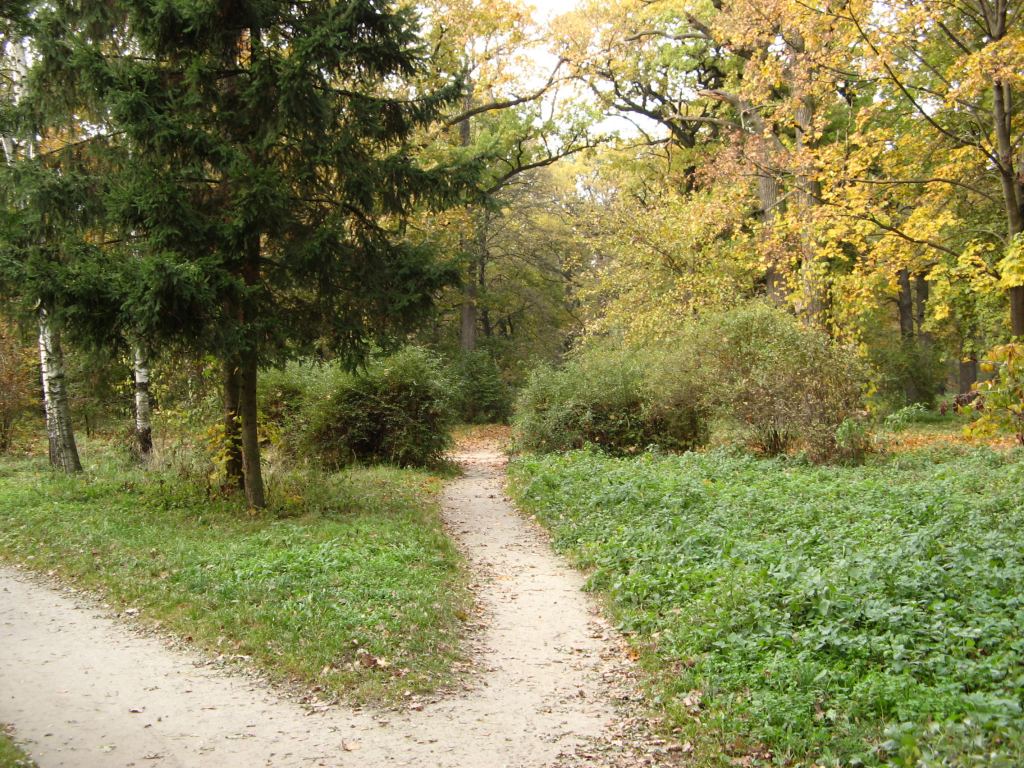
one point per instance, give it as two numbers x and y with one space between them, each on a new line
807 615
347 582
11 756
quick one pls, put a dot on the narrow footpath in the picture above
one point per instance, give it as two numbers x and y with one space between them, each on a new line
83 690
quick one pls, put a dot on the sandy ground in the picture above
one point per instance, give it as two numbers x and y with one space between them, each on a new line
83 690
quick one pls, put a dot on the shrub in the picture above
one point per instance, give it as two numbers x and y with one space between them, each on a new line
915 413
907 372
603 395
282 391
16 383
757 367
1003 394
784 382
482 396
852 441
397 411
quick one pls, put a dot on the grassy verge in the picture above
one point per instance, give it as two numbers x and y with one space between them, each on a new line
11 756
806 615
348 583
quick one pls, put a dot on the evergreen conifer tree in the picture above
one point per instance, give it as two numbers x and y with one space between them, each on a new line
256 153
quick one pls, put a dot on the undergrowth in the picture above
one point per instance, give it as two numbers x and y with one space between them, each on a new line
804 615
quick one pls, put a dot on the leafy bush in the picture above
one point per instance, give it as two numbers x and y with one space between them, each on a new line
16 383
282 392
1003 394
603 395
397 411
852 441
915 413
482 396
755 366
786 383
906 373
833 615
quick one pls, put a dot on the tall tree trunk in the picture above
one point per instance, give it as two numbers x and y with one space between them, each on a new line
1012 191
247 405
905 303
467 325
61 435
232 382
483 256
808 195
468 314
1017 310
143 421
770 198
921 308
247 410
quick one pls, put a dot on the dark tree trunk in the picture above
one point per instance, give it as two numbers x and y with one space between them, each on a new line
1017 310
232 430
467 328
467 325
808 195
905 303
968 374
1002 113
247 403
247 410
771 199
485 317
921 309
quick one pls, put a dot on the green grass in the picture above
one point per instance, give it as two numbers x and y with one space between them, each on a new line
345 568
823 615
11 756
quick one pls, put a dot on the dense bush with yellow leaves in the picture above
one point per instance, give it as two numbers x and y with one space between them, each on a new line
1003 395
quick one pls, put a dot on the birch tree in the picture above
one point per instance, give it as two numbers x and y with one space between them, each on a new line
34 239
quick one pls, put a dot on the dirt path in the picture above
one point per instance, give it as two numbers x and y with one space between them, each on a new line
83 690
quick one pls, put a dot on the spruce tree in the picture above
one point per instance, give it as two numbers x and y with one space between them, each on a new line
256 155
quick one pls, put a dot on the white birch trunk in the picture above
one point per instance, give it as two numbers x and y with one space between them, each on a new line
44 368
143 422
61 435
59 431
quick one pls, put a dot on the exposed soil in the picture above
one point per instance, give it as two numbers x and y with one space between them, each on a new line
552 687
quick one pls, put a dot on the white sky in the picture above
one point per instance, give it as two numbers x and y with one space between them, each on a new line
547 9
